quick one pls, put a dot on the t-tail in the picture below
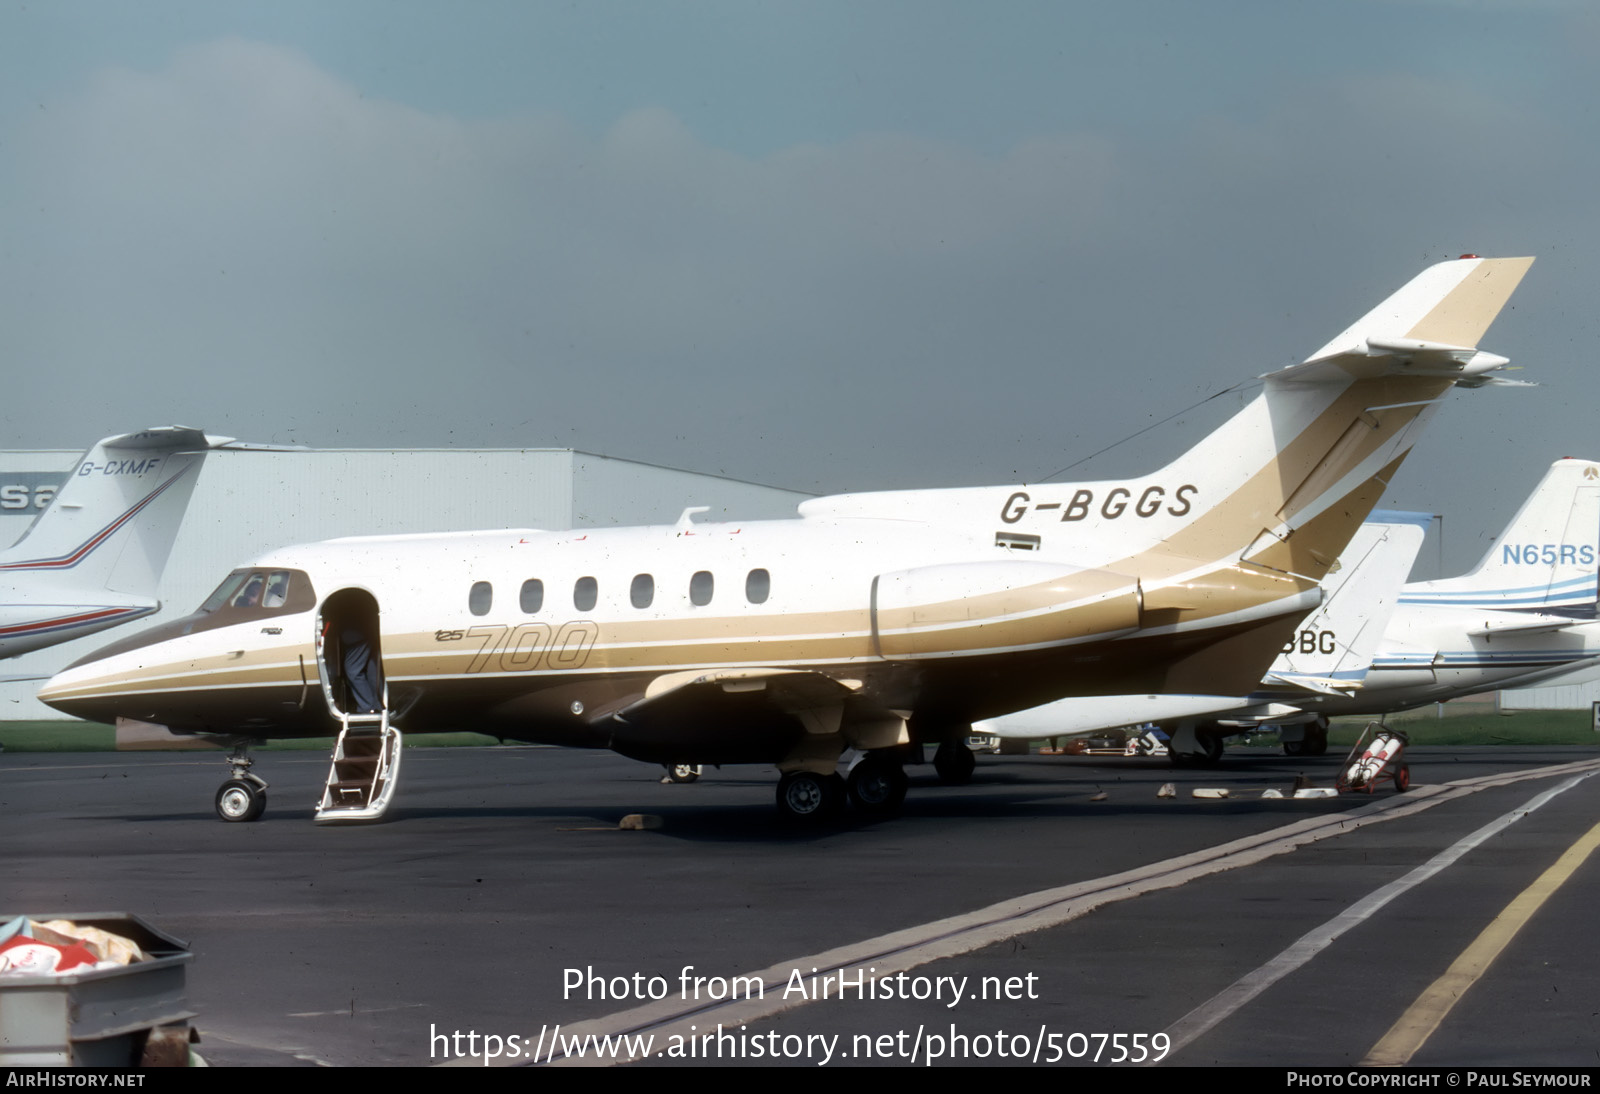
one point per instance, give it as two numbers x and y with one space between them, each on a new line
1545 560
1303 465
92 560
1211 561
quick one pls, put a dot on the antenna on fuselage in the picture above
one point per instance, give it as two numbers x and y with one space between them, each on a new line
686 519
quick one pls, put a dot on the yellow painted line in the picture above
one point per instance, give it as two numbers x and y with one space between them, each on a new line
1417 1024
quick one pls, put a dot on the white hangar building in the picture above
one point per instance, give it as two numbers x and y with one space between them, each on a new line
249 501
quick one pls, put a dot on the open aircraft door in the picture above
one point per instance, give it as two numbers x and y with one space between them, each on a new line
365 765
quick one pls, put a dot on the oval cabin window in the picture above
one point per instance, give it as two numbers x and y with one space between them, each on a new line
643 590
701 586
585 594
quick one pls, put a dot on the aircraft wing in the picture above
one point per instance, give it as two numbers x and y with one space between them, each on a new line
1076 715
705 714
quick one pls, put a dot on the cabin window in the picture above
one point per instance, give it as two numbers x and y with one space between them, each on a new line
757 586
585 594
481 598
643 590
701 586
532 597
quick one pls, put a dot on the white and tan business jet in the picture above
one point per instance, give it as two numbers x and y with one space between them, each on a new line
873 624
94 556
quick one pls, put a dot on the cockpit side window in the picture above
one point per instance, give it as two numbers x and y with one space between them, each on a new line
277 594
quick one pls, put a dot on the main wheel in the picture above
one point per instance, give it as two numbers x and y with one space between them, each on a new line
240 800
1316 740
683 773
955 763
807 796
1210 748
877 786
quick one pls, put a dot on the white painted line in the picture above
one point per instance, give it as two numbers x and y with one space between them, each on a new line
1222 1006
903 950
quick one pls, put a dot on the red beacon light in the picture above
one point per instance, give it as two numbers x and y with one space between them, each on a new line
1469 256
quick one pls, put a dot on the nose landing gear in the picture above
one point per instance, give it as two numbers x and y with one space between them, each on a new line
244 796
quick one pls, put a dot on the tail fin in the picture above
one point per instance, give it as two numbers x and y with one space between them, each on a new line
1305 463
1335 645
1310 457
112 524
1545 559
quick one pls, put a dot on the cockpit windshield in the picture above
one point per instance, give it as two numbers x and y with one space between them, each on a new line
243 596
261 590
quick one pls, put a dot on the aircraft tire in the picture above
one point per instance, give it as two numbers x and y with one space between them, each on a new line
955 763
1295 748
877 786
239 800
682 773
1316 741
806 797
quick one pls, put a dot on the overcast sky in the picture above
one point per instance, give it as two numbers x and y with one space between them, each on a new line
830 246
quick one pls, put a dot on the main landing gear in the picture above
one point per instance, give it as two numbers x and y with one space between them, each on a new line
955 763
1313 740
244 796
876 786
1191 747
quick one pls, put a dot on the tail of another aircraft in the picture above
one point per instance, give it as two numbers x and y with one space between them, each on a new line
1334 646
111 526
1547 557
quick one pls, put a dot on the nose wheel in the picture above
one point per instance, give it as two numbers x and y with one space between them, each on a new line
240 800
244 796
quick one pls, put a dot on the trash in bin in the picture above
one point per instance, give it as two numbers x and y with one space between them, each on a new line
103 989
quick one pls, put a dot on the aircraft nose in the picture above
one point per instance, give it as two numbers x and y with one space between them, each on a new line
69 692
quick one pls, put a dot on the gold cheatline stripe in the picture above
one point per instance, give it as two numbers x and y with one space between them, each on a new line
1417 1024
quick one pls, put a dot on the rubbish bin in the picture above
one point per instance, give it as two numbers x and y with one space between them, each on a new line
104 1017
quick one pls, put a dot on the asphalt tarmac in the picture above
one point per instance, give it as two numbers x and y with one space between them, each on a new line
499 901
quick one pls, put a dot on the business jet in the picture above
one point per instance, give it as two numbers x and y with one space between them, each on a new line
870 626
1525 614
93 558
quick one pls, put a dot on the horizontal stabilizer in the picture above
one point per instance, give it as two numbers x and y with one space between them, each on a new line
1430 327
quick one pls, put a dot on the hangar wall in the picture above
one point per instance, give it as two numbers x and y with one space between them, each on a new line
248 502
